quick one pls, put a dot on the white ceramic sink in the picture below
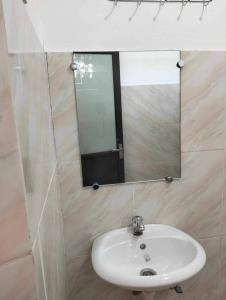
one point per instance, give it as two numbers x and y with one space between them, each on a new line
117 257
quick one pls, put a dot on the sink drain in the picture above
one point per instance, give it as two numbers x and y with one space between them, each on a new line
147 272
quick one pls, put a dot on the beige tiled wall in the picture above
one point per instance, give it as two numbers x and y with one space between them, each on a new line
31 103
195 204
16 264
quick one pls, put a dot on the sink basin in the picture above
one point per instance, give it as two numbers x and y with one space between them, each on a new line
160 258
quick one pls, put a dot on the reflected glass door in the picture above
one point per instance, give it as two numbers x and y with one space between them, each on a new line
97 85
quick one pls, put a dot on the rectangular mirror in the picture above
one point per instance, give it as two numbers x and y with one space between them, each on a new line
128 107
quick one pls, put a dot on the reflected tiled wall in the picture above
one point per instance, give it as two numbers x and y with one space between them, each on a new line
195 204
151 116
31 102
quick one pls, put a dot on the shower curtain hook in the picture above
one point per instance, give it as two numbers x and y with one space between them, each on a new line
204 5
112 10
139 2
183 4
161 4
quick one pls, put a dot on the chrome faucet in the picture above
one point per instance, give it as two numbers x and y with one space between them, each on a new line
137 225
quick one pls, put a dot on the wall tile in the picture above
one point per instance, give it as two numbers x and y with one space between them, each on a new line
223 269
52 245
87 285
31 101
192 203
63 105
112 206
32 106
17 279
8 140
203 96
223 216
40 285
37 180
223 212
14 237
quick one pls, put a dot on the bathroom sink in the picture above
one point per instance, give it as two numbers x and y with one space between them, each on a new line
160 258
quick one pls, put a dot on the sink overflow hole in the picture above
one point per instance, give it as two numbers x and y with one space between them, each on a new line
142 246
147 272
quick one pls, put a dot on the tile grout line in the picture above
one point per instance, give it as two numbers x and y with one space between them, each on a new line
224 164
203 150
222 199
37 240
42 265
51 106
44 204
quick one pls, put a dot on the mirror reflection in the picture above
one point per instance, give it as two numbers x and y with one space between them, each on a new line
128 107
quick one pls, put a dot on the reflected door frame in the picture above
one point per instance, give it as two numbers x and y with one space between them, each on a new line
119 155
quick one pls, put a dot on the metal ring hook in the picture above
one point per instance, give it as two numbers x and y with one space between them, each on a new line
183 4
161 3
139 2
112 10
205 4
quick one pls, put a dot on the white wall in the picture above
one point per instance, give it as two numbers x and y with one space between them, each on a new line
149 67
80 25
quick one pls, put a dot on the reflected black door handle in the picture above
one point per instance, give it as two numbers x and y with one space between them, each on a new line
119 150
